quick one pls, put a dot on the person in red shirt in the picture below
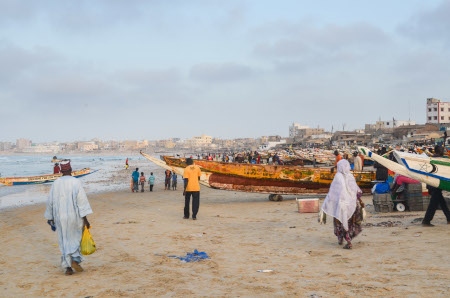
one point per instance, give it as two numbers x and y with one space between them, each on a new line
338 157
56 169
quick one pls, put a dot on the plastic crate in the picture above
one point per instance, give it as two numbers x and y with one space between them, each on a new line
382 198
384 208
417 187
418 203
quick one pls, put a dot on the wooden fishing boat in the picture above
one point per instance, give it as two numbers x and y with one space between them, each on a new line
174 161
9 181
272 179
429 170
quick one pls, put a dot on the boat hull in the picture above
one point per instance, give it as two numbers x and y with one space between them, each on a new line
40 179
272 179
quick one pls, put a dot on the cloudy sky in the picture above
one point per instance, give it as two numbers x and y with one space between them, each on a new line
155 69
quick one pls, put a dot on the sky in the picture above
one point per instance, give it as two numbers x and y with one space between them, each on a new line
155 69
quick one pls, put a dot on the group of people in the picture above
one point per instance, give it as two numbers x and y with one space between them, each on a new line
67 207
356 160
170 178
139 180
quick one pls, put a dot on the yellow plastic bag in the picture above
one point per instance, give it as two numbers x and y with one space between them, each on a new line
87 245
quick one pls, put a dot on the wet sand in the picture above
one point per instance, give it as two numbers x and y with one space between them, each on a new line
137 235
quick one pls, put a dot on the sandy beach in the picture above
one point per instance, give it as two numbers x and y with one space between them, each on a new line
138 236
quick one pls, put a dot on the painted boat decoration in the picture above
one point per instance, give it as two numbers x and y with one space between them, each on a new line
272 179
10 181
429 170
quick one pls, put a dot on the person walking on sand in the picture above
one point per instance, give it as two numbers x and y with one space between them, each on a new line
168 175
343 203
66 210
151 181
174 180
126 164
142 181
135 177
191 178
437 199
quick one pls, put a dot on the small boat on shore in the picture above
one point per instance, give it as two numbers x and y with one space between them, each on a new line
263 178
39 179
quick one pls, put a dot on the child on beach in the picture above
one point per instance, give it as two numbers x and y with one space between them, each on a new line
142 181
151 181
174 181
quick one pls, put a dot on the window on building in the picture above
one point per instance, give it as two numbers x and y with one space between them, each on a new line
429 118
435 109
442 109
442 117
429 109
435 118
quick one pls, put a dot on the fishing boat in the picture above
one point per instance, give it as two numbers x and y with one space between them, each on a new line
433 171
261 178
39 179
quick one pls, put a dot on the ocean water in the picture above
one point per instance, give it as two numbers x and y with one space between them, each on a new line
110 176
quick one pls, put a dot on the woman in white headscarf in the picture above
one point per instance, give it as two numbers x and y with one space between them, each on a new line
343 203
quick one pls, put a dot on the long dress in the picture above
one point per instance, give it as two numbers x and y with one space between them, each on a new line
354 226
342 203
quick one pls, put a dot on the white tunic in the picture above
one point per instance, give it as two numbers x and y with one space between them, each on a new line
67 204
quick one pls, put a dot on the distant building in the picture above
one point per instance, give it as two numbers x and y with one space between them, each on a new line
438 112
87 146
300 132
202 140
23 143
5 146
382 125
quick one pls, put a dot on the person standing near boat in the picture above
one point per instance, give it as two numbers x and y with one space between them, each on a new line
436 198
168 175
357 162
338 158
151 181
343 202
191 178
66 210
56 169
135 178
174 180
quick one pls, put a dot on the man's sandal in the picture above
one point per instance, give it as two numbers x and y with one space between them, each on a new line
77 266
347 246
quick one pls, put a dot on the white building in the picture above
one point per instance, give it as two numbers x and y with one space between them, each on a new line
301 131
438 112
201 141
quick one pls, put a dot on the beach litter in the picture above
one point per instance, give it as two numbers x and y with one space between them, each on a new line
264 270
194 256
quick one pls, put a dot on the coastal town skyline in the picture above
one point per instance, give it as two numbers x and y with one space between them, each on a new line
236 69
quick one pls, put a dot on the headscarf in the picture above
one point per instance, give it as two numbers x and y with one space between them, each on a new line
340 201
65 166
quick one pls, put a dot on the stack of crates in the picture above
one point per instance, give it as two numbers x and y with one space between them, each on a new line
383 202
414 198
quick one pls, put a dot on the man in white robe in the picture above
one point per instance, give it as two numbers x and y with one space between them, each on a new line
67 208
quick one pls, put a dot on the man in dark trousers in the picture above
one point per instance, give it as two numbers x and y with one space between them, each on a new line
436 197
191 178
